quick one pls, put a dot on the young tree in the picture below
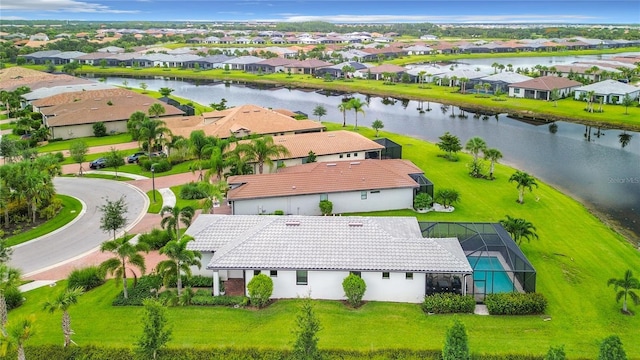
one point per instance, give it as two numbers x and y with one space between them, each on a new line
180 261
114 215
450 144
447 197
215 194
377 125
62 302
165 91
78 151
554 96
260 289
174 216
493 155
611 349
155 332
523 181
354 288
626 285
114 159
17 335
319 111
626 102
125 253
9 278
144 87
475 145
344 106
456 344
519 229
305 346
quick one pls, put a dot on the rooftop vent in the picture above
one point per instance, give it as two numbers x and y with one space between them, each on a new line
355 163
292 223
332 135
331 164
94 108
355 224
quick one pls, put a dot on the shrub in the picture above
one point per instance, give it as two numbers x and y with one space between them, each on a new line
326 207
208 300
354 288
260 289
611 349
145 288
278 212
555 353
156 238
99 129
448 303
197 281
456 344
60 156
13 297
422 201
192 190
515 304
158 166
87 278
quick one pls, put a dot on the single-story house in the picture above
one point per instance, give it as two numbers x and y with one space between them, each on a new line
378 72
336 70
501 80
611 91
309 66
541 87
268 66
311 255
354 185
241 63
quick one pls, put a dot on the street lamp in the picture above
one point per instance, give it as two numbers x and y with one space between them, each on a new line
153 182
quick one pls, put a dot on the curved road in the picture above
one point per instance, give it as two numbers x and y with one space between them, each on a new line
84 234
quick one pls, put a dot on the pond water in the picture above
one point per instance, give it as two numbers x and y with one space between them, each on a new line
588 163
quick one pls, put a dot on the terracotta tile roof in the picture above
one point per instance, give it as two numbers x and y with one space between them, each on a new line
316 178
14 77
309 63
386 68
547 83
325 143
254 119
70 97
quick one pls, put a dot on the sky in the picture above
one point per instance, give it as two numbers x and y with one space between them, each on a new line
336 11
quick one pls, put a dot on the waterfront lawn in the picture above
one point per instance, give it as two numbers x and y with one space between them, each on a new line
91 142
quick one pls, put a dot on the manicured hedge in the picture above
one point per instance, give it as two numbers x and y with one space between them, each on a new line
223 300
196 281
516 304
448 303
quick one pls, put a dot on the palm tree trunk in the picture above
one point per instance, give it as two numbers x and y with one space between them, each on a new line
66 328
3 314
521 196
178 279
124 279
33 210
624 303
356 120
344 118
21 355
491 171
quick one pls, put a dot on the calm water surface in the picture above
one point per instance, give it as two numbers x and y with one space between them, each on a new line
590 165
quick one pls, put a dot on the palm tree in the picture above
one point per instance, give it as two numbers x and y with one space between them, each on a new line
344 106
475 145
156 110
493 155
200 146
152 130
519 229
180 260
9 278
175 216
357 106
125 253
447 197
133 124
62 302
624 138
523 181
215 193
463 84
626 285
261 151
17 336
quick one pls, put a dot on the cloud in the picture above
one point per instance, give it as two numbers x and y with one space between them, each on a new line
71 6
534 18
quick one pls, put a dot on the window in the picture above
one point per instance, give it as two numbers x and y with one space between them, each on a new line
273 273
256 272
348 155
385 275
324 197
356 273
363 195
409 276
301 277
355 154
341 156
516 90
375 192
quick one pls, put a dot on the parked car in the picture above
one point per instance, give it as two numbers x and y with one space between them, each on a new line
133 158
98 163
158 154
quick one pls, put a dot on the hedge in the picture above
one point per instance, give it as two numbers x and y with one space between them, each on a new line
448 303
516 304
87 278
208 300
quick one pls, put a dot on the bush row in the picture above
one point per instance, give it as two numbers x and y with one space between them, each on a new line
196 281
448 303
516 304
224 300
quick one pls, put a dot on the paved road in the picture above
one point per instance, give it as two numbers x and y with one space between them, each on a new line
84 234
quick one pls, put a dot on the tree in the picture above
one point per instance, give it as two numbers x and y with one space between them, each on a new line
133 124
626 285
165 91
222 105
99 129
519 229
114 159
611 349
344 106
200 146
9 278
155 332
319 111
215 194
180 261
456 343
475 145
450 144
260 289
305 346
63 302
354 288
174 216
126 254
422 201
311 157
261 151
151 130
626 102
493 155
447 197
156 110
144 87
78 151
555 353
554 96
113 215
17 336
523 181
624 138
377 125
357 105
326 207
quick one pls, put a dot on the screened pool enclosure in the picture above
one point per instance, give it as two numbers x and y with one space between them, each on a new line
498 263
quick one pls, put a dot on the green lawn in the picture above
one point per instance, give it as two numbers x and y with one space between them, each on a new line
102 176
181 203
7 126
91 141
70 210
154 207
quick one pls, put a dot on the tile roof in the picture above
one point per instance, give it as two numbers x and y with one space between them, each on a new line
387 68
325 177
44 92
507 77
70 97
323 243
547 83
325 143
609 87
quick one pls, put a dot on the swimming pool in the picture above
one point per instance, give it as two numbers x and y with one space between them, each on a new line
489 276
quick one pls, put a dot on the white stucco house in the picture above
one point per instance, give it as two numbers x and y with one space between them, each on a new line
611 91
352 186
311 255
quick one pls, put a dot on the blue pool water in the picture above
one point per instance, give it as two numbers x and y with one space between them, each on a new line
489 276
